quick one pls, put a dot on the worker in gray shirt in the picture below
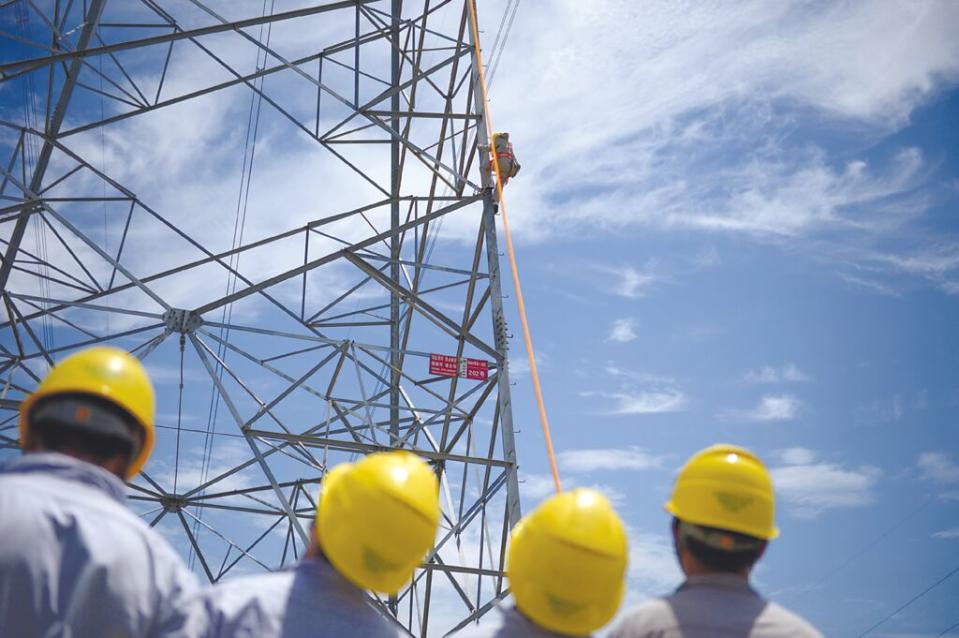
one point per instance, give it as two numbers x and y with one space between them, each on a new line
375 522
74 560
566 568
723 509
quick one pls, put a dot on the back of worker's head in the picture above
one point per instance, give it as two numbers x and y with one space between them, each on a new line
567 563
377 518
97 405
724 508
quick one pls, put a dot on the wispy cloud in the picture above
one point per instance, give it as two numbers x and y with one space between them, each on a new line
535 487
938 467
639 393
623 331
789 373
947 534
810 485
870 284
728 101
625 280
591 460
771 407
190 471
885 410
797 456
642 402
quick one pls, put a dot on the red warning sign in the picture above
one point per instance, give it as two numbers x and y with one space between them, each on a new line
445 365
476 369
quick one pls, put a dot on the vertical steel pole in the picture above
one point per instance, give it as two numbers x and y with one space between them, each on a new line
395 181
507 434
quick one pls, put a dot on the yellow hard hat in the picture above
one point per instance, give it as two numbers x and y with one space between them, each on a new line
377 518
726 487
108 373
567 563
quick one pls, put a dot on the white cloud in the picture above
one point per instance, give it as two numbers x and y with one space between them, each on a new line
643 402
640 393
810 487
790 372
870 284
797 456
771 407
633 283
623 331
713 147
535 487
947 534
885 410
938 467
190 472
591 460
625 281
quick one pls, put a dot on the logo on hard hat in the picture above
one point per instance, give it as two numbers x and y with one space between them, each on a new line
733 502
563 606
376 562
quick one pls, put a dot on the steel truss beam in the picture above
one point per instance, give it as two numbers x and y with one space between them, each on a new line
306 341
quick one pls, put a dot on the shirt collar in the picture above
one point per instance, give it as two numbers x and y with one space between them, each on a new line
70 469
723 580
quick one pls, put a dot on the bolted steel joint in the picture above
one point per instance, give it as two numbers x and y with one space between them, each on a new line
172 503
182 321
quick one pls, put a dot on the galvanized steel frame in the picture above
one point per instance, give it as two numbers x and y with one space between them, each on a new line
386 371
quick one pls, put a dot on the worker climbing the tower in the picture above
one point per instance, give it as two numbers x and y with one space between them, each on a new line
722 506
375 522
74 560
566 568
505 158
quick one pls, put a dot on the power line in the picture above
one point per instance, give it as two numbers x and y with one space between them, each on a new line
912 600
947 630
506 24
865 548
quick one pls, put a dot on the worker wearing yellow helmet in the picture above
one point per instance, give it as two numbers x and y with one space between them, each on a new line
74 560
566 568
375 522
723 517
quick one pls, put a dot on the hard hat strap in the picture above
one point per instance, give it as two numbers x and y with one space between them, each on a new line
80 412
718 538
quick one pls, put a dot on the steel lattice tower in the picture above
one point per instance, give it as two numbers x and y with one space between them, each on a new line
282 208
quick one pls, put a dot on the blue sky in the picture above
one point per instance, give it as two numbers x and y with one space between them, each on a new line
743 230
734 222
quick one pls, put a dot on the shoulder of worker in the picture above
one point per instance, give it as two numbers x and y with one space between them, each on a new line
47 486
309 599
650 619
776 620
51 470
680 615
505 621
66 528
44 486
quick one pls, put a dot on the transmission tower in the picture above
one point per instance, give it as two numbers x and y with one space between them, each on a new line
284 209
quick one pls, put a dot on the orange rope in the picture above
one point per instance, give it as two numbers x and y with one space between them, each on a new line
534 373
